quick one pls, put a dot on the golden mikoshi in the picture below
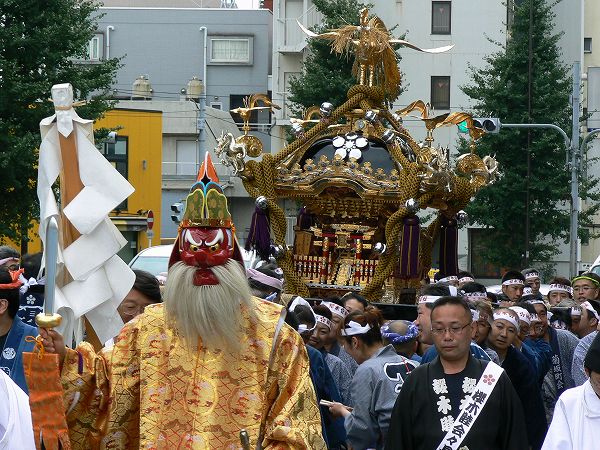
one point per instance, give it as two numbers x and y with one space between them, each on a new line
360 179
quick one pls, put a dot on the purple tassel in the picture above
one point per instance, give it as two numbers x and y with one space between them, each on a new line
448 247
259 237
408 262
305 219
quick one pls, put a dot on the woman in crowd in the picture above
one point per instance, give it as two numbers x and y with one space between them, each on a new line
376 383
354 302
504 331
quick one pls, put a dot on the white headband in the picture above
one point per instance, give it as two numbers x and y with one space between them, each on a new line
537 302
576 311
428 298
522 313
508 317
448 278
324 320
590 308
10 258
532 275
527 291
475 295
336 309
512 281
465 279
475 314
353 328
302 328
561 288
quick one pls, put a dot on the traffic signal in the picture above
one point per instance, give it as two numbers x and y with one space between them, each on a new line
177 209
490 125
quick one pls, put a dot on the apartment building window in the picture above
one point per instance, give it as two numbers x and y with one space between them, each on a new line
441 15
186 157
440 92
116 154
587 45
94 49
229 50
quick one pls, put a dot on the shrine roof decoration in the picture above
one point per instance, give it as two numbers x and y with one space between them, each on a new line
360 178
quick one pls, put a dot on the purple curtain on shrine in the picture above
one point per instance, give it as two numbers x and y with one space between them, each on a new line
448 247
259 237
408 262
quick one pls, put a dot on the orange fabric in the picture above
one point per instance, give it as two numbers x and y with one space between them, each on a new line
46 401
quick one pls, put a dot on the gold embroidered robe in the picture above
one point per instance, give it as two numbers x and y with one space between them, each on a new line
150 391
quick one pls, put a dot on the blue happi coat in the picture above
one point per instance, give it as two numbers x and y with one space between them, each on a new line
11 359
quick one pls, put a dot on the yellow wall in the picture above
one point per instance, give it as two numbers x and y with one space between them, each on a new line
144 132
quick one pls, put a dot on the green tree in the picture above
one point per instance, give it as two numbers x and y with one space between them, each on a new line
42 43
326 76
501 90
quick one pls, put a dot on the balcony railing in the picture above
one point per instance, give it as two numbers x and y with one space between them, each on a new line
292 39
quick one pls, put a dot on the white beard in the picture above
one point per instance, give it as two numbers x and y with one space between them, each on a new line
209 315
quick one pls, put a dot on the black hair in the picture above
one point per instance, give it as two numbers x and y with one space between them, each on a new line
371 316
560 280
513 275
353 295
472 286
304 314
527 306
464 273
11 295
270 271
492 296
147 285
292 320
453 301
322 310
6 251
31 262
440 290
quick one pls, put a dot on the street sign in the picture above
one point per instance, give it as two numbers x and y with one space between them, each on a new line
150 220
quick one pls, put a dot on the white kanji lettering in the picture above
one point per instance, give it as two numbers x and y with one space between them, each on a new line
447 423
468 385
439 386
444 405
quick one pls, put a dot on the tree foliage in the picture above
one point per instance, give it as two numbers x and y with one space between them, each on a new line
501 90
326 76
42 43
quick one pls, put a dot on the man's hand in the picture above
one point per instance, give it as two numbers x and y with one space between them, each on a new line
54 343
338 410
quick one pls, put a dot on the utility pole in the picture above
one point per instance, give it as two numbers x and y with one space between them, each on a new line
574 241
202 116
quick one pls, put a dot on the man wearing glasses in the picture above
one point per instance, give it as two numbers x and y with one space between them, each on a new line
585 287
456 401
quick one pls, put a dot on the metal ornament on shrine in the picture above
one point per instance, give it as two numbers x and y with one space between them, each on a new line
360 179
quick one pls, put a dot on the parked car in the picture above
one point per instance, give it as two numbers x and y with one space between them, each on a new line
153 259
595 266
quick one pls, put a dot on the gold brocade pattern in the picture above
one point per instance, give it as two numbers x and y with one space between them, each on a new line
151 392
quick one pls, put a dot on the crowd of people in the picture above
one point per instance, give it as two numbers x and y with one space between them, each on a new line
527 363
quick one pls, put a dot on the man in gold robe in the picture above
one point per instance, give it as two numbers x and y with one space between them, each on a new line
210 361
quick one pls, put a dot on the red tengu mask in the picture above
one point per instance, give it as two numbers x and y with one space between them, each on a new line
205 248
